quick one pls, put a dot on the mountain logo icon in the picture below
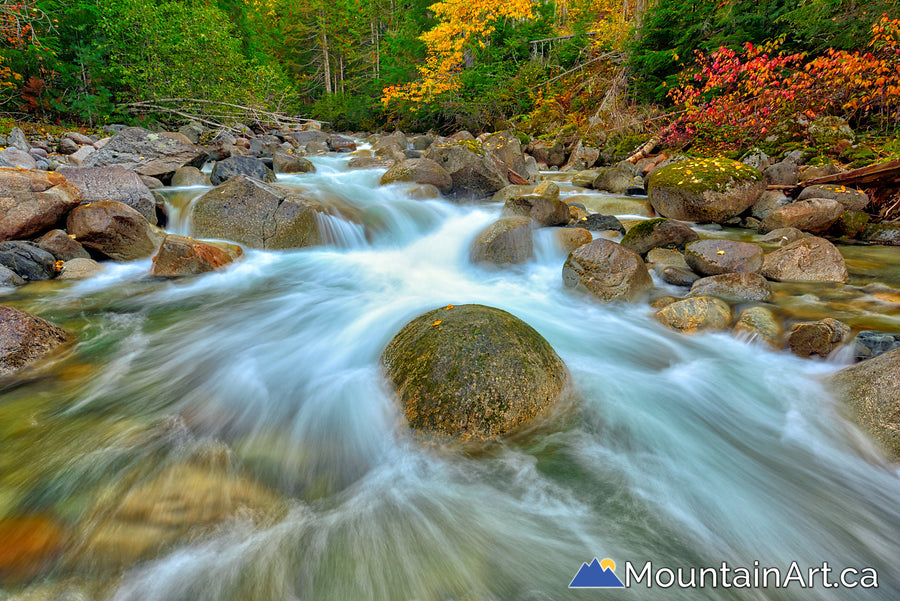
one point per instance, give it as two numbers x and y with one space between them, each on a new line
597 574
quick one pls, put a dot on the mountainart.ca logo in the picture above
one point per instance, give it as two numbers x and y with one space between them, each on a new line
602 574
597 574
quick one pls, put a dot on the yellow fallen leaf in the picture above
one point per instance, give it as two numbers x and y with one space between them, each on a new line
449 307
436 323
721 252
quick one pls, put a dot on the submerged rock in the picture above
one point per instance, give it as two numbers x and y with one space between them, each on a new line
472 372
25 338
179 501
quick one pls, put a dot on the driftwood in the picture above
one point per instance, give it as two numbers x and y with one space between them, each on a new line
214 114
515 178
644 151
882 174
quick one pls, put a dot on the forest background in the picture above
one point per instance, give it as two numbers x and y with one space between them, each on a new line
721 75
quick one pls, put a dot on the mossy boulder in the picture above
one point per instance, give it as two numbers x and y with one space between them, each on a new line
826 132
472 372
607 270
852 223
419 171
475 172
704 190
658 233
871 391
506 241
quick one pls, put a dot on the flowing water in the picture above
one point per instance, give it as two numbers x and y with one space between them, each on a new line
684 451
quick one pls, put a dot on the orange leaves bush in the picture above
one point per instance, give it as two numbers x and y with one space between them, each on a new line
734 98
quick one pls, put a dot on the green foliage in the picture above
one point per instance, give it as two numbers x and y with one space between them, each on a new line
674 30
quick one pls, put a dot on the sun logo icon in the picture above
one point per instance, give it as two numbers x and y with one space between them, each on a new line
597 574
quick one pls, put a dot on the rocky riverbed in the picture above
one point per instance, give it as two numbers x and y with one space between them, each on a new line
711 249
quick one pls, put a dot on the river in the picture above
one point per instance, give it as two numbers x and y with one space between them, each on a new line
680 450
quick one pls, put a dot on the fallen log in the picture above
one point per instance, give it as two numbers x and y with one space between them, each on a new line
882 174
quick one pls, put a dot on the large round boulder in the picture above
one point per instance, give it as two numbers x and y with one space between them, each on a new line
25 338
850 198
114 230
818 337
32 202
474 171
806 260
613 179
472 372
871 390
607 270
419 171
704 190
257 215
507 240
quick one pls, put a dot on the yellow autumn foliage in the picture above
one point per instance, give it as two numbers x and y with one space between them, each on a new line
463 23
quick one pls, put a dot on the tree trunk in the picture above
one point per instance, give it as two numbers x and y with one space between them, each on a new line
328 88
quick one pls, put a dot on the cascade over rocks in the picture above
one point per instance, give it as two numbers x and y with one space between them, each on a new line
472 372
